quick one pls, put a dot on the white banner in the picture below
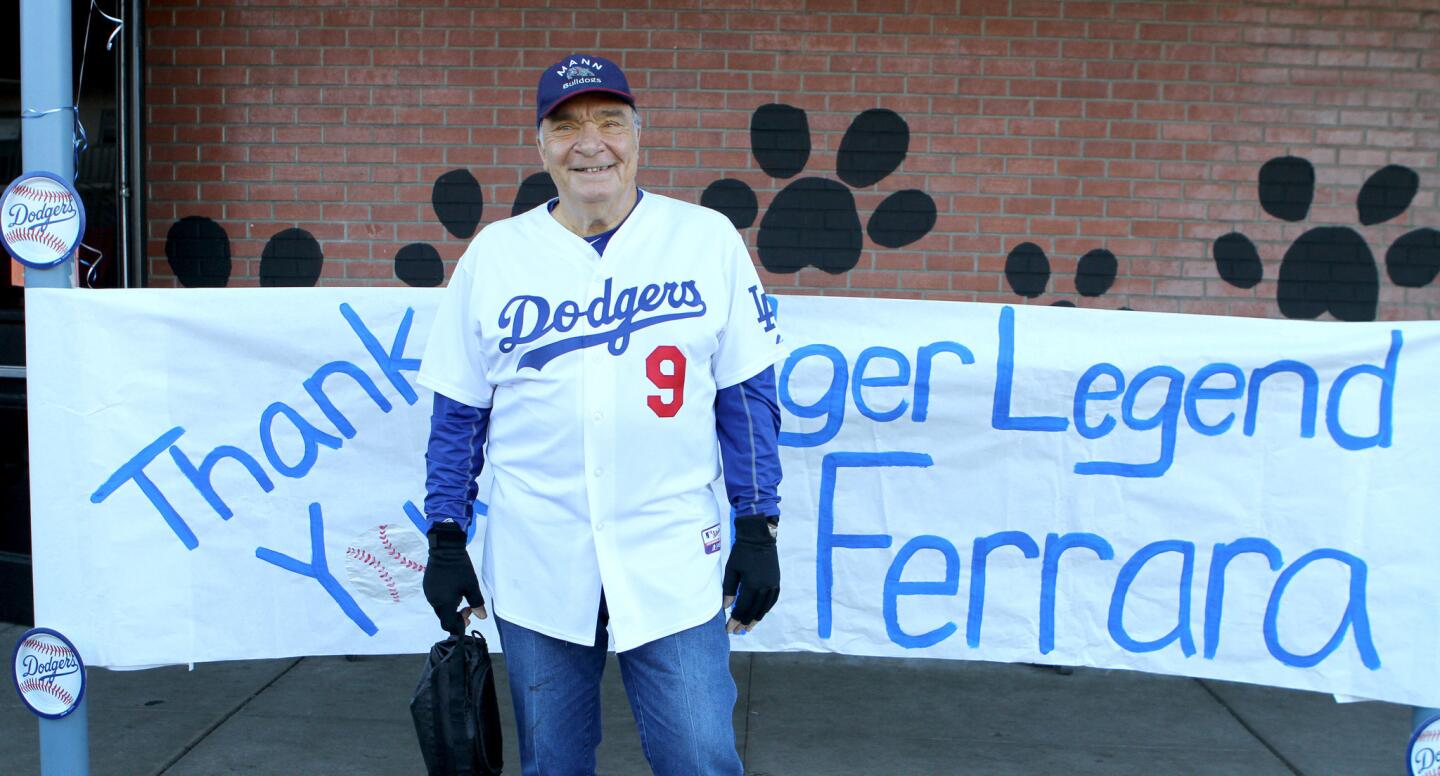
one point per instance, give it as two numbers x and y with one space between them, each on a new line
236 474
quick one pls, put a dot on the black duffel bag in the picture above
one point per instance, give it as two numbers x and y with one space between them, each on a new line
455 712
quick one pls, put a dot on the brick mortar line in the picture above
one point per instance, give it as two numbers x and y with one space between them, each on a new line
1160 60
680 15
1139 38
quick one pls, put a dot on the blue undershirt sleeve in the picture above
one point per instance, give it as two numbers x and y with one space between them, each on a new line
747 422
453 460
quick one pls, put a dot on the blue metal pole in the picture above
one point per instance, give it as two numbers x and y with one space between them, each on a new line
64 743
47 139
47 136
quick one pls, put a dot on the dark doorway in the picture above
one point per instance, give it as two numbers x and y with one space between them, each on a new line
109 76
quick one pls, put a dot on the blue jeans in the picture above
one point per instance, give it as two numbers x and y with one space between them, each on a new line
680 691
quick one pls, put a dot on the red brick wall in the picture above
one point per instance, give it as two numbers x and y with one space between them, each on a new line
1133 127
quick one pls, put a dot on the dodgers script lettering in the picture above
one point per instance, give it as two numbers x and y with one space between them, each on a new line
39 218
528 318
50 668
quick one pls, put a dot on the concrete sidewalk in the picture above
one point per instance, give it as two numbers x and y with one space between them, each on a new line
797 714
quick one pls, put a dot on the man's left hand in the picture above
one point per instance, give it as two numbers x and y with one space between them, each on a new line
753 570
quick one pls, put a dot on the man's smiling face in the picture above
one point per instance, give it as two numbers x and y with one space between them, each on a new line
589 145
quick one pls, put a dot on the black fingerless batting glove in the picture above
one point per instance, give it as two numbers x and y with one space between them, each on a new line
449 576
753 568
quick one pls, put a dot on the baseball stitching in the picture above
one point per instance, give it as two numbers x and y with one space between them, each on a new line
45 238
371 560
41 194
58 650
33 685
398 555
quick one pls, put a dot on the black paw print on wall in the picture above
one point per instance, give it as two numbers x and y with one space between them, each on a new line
198 249
1330 268
814 221
458 204
534 191
199 253
1027 271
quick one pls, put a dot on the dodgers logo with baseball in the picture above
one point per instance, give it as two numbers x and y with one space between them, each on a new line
41 219
48 673
1424 750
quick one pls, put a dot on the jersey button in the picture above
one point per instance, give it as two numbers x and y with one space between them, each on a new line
600 526
598 415
598 471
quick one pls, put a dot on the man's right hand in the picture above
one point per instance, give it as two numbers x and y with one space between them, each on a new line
753 570
449 576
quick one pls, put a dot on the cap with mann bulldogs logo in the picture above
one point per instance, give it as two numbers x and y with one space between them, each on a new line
578 74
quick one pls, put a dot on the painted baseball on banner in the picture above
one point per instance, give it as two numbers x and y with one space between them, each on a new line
48 673
386 563
41 219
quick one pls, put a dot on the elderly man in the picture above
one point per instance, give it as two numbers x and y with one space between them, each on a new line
605 354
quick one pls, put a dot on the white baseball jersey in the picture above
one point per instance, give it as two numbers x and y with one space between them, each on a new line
601 375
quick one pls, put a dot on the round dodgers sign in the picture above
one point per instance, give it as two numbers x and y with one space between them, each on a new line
41 219
48 673
1424 749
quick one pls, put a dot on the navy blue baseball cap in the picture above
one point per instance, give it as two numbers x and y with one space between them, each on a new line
578 74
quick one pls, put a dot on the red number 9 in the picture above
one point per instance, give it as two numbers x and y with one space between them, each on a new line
672 381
